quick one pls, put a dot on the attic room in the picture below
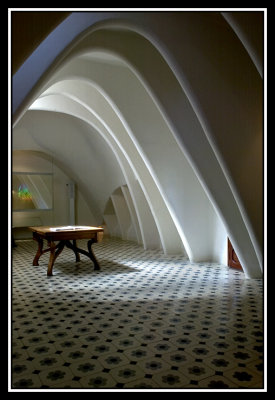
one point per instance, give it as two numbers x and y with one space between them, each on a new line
153 139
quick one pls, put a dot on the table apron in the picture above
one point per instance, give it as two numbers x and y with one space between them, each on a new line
58 236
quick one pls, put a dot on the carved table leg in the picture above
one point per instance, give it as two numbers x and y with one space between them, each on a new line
89 253
52 258
92 256
59 247
77 256
39 250
54 254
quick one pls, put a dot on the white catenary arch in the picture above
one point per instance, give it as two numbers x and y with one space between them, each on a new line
168 109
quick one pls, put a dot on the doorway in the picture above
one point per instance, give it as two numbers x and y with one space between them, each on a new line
233 260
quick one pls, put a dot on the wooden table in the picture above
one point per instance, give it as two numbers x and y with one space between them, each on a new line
66 236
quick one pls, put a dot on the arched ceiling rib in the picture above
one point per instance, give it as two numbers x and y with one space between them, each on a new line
152 135
173 97
250 29
171 241
79 149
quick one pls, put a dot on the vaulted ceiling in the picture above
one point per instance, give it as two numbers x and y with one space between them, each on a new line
166 122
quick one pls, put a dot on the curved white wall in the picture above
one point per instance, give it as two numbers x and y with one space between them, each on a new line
154 138
195 112
39 162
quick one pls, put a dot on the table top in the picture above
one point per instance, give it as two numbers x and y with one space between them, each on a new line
74 231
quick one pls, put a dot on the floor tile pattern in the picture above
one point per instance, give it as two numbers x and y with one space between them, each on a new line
144 320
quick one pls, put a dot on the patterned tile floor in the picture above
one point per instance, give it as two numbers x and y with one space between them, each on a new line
144 320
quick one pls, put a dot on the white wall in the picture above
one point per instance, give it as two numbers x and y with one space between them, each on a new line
37 162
